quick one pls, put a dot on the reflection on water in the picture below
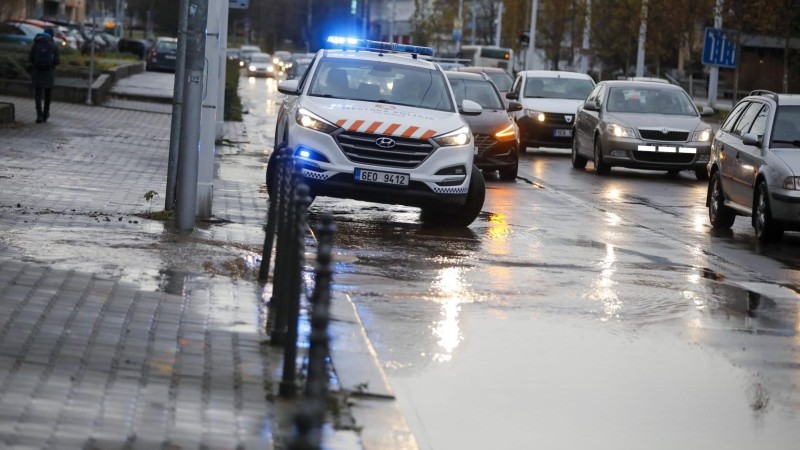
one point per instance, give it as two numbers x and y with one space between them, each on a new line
451 285
603 287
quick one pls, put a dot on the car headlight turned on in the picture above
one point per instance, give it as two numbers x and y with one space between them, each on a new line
620 131
506 134
307 119
271 69
702 135
535 115
792 183
460 136
252 68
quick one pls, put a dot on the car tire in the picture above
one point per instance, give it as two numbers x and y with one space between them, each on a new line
701 174
600 166
578 161
272 173
466 214
767 229
720 216
510 173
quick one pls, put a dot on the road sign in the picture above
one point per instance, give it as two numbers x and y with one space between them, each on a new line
720 48
238 4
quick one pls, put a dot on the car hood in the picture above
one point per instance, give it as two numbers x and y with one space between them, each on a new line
637 120
384 119
488 122
790 156
552 105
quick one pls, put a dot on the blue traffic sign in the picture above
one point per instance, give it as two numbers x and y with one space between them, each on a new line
720 48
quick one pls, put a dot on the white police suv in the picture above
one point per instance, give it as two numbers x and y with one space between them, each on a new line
373 121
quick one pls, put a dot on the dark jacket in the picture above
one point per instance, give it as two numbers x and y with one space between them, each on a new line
39 77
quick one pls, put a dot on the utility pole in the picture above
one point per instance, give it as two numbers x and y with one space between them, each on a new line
459 27
209 111
91 57
177 107
223 62
530 59
186 201
713 77
584 67
642 41
498 24
473 22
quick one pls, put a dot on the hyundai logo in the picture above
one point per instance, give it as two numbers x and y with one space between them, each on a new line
385 142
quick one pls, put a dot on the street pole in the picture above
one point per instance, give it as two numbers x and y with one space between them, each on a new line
209 112
531 56
642 41
473 22
223 61
391 22
713 77
585 44
177 107
91 61
498 24
308 27
186 201
460 27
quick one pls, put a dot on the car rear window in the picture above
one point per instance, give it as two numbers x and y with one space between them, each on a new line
479 91
503 81
568 88
166 46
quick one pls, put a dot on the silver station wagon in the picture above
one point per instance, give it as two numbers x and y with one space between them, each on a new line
755 165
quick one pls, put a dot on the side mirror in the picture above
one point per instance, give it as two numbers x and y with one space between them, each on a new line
751 139
512 95
590 105
707 111
289 87
514 106
470 108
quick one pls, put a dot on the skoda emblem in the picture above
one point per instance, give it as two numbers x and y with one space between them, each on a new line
665 131
568 119
385 142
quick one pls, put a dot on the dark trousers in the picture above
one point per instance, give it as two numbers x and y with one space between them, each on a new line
38 91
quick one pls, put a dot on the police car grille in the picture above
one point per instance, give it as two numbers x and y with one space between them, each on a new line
658 135
362 148
483 142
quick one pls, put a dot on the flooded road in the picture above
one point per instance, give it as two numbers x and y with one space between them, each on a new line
576 312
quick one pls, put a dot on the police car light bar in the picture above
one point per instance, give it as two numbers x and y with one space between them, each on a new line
364 44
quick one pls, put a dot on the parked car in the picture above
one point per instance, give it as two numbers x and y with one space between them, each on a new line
495 133
138 47
163 55
18 33
298 68
233 53
261 65
502 79
59 35
755 165
549 100
641 124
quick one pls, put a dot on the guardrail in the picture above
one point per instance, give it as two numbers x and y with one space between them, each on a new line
286 230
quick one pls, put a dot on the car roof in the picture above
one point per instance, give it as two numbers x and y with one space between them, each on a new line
398 58
782 99
480 69
452 74
640 84
555 74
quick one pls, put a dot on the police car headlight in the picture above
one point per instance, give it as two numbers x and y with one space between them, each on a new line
306 119
459 137
702 135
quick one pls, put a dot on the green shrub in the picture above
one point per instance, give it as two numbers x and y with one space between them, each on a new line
11 69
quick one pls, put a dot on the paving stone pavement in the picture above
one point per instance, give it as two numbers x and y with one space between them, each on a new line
114 331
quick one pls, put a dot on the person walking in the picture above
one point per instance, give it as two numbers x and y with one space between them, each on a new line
44 58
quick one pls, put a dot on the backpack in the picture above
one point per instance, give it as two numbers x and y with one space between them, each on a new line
43 54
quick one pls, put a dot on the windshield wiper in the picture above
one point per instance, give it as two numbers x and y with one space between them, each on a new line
795 142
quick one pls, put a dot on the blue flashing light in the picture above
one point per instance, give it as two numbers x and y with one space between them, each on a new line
303 153
391 47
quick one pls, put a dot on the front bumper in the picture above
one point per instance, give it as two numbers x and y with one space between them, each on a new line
785 206
555 131
494 154
330 173
652 155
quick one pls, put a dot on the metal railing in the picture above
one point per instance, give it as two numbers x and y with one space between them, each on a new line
286 230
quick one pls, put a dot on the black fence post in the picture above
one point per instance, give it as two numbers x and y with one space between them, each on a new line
269 229
280 285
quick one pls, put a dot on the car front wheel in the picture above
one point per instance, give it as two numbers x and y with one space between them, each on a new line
600 166
466 214
720 216
767 228
578 161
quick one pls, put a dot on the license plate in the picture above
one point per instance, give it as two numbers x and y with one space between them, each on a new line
170 56
562 132
374 176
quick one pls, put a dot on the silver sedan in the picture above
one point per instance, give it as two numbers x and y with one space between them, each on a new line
641 124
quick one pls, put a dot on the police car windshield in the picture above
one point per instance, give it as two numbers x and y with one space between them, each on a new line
383 82
479 91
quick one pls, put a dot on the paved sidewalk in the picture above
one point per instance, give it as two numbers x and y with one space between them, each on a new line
115 332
